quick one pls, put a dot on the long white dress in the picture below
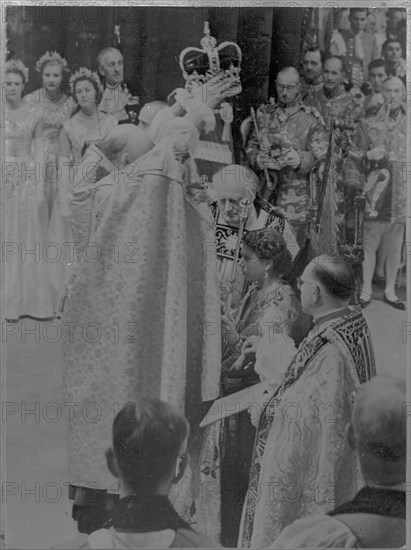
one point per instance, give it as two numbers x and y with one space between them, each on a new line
64 229
53 115
27 286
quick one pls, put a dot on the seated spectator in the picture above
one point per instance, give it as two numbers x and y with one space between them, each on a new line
148 455
392 53
375 518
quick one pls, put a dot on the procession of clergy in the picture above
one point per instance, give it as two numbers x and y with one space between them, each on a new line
180 280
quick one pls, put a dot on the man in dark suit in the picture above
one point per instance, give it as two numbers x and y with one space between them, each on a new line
116 95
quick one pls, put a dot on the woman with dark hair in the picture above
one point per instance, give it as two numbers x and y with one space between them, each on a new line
71 221
269 315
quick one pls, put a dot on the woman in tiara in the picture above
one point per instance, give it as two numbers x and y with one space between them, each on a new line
27 292
56 107
86 126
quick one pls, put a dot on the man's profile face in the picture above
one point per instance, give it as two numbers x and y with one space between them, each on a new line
308 287
288 87
112 68
377 76
393 52
333 74
393 91
312 66
358 20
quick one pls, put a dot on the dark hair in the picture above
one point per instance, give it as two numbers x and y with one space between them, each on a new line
315 49
99 93
147 437
353 10
388 41
377 63
336 276
269 244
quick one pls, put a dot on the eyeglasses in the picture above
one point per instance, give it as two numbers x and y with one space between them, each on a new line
300 283
288 87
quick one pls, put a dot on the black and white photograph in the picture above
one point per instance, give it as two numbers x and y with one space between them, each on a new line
205 242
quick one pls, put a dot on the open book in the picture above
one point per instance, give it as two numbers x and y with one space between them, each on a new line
252 398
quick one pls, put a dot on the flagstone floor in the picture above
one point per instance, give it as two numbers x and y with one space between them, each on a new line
35 491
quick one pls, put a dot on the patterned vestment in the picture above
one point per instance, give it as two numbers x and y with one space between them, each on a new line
143 319
301 128
302 464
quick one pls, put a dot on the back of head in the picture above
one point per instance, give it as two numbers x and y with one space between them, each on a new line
379 423
149 111
147 437
236 177
335 275
125 138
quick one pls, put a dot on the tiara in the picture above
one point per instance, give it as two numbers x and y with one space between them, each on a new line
200 65
49 57
17 65
84 72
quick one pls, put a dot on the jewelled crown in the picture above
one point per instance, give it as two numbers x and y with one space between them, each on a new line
51 57
84 72
200 65
15 65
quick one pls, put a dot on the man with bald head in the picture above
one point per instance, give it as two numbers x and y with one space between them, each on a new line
291 142
333 102
375 518
117 93
302 463
230 186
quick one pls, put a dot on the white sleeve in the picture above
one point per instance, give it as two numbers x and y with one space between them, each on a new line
274 354
158 126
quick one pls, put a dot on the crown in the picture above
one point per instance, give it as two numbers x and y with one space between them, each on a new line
200 65
15 65
84 72
51 57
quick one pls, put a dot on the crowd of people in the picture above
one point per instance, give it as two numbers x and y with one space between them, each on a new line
203 297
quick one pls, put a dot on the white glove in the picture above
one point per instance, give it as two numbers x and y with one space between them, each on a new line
292 158
377 153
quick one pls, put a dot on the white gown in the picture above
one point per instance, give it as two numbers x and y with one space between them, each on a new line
26 265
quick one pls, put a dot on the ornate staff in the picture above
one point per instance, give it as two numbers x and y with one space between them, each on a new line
268 181
245 210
